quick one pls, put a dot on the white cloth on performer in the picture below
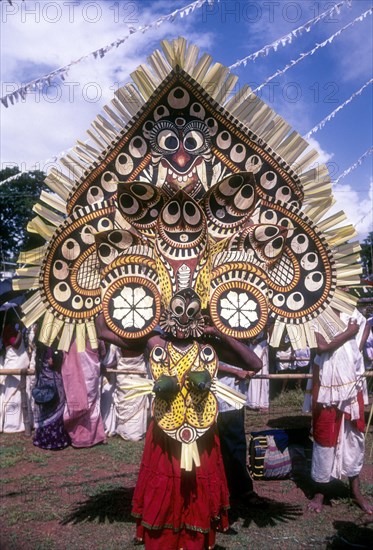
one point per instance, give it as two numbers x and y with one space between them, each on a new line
11 416
258 391
131 414
108 384
346 459
341 370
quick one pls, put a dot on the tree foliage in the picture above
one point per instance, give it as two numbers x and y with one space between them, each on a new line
366 254
17 198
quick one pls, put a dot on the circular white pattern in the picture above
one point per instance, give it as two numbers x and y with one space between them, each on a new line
278 300
109 181
70 249
224 140
238 153
314 281
60 270
160 112
138 147
268 180
62 292
295 301
212 126
253 164
77 302
133 307
197 110
178 98
123 164
95 194
238 309
299 243
309 261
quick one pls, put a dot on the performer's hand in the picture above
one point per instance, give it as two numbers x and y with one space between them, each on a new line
352 327
166 386
242 374
200 380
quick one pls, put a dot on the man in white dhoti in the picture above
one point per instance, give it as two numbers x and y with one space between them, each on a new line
132 414
258 390
338 409
16 357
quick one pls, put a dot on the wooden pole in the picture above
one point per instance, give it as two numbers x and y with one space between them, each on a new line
300 376
24 401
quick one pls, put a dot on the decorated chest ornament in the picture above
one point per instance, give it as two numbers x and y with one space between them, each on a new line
188 197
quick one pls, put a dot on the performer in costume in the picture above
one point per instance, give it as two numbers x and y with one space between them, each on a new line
180 504
338 397
186 199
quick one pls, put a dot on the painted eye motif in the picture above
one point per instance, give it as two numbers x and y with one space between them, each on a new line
94 194
167 140
295 301
193 308
158 354
107 253
161 111
137 147
253 164
193 141
171 213
123 165
191 213
244 198
207 354
70 249
177 306
178 98
62 292
120 239
128 204
143 191
109 180
104 224
197 110
229 186
60 270
212 126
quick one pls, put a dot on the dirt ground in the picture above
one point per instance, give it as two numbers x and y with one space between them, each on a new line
81 499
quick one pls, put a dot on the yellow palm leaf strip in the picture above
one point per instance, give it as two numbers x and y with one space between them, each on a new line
80 337
31 317
47 214
92 334
66 337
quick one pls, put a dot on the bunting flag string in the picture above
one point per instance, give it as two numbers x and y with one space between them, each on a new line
354 166
288 38
339 108
303 56
62 72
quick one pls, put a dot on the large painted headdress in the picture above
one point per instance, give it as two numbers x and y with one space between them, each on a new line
188 197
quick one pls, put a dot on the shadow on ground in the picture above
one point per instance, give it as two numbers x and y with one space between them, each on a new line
347 531
108 506
269 513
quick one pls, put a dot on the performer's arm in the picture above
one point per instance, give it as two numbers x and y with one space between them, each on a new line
104 333
324 347
233 351
364 338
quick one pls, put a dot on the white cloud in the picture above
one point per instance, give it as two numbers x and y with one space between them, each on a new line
359 211
47 124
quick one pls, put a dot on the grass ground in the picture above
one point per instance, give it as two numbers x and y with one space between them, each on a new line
81 499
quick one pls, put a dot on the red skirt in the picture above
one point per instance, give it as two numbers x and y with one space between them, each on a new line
175 508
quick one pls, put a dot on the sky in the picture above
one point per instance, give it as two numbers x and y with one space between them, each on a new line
38 37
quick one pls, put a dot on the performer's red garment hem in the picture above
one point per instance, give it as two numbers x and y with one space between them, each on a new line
175 508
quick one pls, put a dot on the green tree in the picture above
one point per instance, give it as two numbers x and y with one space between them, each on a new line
366 254
17 198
